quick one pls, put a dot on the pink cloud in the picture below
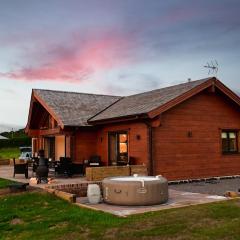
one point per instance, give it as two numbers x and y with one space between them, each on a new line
77 62
77 58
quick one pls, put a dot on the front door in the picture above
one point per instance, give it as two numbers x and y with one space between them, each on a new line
118 148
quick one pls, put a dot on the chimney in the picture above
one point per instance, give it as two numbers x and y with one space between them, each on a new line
189 79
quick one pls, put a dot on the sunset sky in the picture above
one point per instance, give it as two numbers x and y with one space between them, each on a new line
112 47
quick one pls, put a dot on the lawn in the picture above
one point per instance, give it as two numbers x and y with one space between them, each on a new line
7 153
43 216
4 183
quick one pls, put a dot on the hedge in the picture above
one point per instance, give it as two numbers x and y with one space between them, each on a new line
15 142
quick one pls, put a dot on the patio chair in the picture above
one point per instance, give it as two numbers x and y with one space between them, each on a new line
94 161
64 167
77 168
20 168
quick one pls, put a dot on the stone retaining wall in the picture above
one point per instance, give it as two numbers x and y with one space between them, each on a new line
70 197
79 189
138 169
4 161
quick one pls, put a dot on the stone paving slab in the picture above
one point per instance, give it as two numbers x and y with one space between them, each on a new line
177 199
219 187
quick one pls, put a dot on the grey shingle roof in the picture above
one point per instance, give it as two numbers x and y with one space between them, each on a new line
145 102
74 109
80 109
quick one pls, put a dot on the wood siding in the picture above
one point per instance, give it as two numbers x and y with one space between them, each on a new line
85 145
178 155
37 144
186 139
138 148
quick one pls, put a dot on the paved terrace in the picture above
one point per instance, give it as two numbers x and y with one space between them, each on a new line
180 195
177 199
7 173
209 187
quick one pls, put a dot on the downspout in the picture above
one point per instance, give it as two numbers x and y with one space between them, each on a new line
150 149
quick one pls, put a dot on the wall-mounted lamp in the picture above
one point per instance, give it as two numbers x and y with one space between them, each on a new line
189 134
138 137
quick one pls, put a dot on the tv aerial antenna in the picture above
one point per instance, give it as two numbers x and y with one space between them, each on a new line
212 67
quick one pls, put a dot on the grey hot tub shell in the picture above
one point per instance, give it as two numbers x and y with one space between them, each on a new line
135 190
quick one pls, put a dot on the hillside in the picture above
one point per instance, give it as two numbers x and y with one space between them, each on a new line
8 127
15 139
15 134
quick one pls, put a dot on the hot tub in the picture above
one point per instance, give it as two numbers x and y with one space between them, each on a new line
135 190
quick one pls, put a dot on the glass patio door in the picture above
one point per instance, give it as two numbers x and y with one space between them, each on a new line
118 148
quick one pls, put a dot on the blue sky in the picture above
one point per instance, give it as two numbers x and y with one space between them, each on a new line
111 47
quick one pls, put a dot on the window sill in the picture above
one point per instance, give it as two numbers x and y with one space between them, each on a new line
230 153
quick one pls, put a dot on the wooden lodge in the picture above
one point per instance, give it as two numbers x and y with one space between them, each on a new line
186 131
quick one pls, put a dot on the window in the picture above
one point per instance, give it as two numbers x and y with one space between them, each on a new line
229 142
123 143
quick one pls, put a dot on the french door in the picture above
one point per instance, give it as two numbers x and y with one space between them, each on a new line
118 148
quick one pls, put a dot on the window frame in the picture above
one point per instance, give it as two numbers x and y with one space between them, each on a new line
117 134
228 131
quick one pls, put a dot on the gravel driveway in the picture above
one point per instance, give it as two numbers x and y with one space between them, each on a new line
211 187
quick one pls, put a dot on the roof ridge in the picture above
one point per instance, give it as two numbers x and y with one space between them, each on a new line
73 92
127 109
171 86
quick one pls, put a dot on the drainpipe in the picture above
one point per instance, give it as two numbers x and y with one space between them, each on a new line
150 149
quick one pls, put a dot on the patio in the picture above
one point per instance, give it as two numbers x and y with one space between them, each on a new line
208 187
177 197
7 173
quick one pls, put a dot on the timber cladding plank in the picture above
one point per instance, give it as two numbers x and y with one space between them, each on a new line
85 145
178 156
138 148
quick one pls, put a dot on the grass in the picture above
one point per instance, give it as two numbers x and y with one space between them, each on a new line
43 216
4 183
7 153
